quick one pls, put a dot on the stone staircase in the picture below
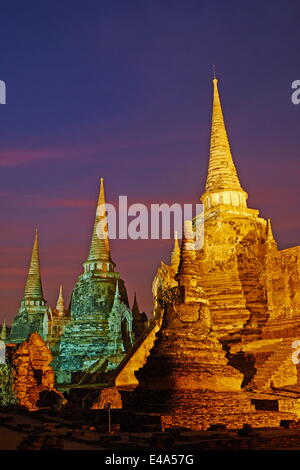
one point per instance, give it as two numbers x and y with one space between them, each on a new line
278 370
124 374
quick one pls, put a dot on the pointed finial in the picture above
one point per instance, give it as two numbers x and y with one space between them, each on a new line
117 295
222 175
101 199
3 331
60 296
269 229
175 255
187 254
99 248
214 72
270 236
60 306
135 307
33 287
36 237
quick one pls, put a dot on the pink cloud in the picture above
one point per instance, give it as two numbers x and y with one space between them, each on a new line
21 157
29 200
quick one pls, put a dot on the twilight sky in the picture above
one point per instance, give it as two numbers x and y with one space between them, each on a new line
122 89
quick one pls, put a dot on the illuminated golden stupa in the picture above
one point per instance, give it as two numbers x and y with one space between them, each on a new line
230 314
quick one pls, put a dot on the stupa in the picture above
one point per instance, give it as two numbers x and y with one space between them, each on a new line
33 305
231 314
100 329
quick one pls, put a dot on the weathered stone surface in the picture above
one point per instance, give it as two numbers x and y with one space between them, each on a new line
274 366
165 280
108 397
232 419
94 344
7 389
232 265
187 359
32 371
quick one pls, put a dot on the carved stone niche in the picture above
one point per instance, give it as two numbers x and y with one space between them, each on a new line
195 314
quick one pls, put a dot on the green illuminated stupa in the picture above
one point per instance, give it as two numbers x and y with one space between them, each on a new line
33 305
100 331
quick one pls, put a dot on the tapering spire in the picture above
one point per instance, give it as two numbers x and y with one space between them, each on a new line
60 306
222 175
221 172
33 287
175 256
187 253
99 250
270 237
117 297
3 331
135 308
138 319
214 71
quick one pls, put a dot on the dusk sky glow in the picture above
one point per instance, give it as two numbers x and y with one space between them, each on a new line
123 89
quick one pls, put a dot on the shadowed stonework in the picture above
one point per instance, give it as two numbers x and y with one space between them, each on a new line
32 371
